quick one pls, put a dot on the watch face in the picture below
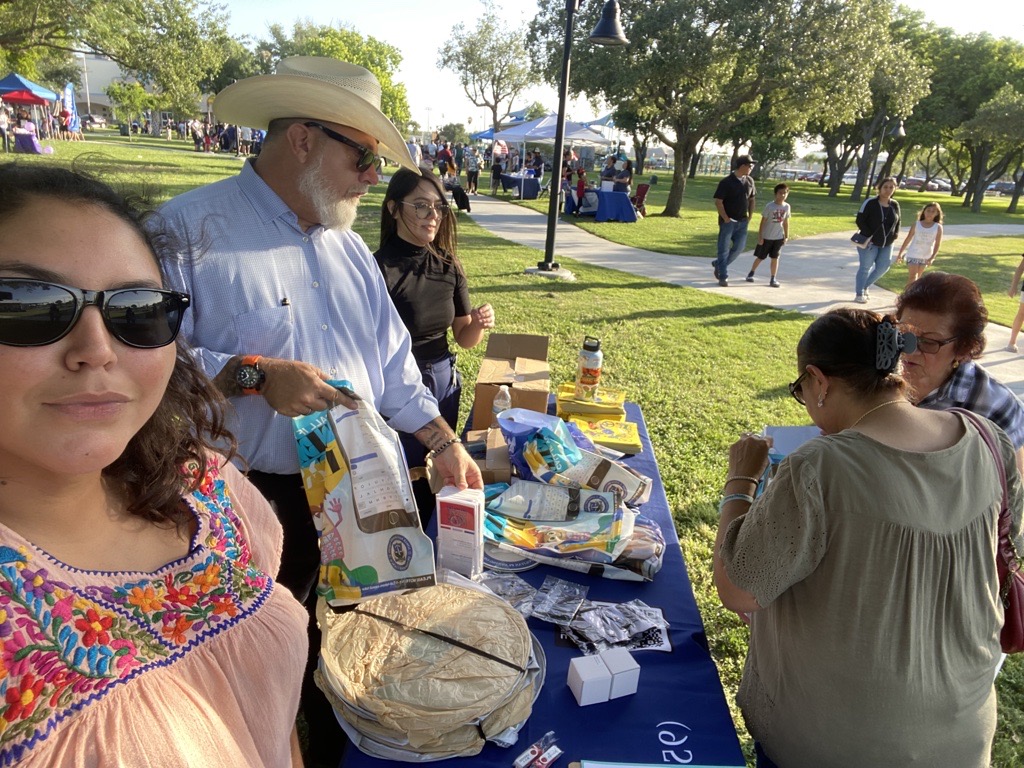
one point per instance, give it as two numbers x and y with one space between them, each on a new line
248 377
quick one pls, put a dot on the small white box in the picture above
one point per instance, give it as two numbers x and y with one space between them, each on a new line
460 530
589 680
624 670
607 186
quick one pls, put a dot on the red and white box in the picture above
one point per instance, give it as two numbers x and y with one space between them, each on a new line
460 530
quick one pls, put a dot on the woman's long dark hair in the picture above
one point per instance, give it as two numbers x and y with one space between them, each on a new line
403 184
159 463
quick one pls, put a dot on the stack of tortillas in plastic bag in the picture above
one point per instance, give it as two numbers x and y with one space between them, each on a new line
429 674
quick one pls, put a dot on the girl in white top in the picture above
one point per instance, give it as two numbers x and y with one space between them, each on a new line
924 239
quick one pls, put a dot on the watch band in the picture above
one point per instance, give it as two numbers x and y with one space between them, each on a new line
253 361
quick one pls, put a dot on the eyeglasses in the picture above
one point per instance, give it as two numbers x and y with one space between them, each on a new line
931 346
796 388
34 313
426 210
367 157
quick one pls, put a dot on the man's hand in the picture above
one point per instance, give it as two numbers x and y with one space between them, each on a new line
294 388
456 468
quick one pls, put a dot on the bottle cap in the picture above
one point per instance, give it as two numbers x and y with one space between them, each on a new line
591 344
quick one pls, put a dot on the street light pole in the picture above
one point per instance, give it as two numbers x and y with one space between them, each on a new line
607 32
897 132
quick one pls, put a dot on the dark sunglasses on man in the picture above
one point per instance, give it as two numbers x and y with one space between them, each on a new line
34 313
367 157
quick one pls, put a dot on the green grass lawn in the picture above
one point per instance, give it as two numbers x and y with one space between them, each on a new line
703 367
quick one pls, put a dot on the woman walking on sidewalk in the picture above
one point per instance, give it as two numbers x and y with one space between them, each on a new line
878 219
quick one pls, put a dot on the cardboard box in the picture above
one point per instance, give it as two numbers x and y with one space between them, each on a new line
496 457
589 680
476 443
521 362
624 670
608 675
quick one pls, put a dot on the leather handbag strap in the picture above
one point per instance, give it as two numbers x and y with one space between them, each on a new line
989 439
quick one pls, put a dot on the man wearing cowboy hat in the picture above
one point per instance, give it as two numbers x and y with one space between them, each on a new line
285 296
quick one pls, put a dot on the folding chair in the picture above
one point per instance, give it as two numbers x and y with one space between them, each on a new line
638 199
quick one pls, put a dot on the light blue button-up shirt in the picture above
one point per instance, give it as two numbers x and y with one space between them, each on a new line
262 286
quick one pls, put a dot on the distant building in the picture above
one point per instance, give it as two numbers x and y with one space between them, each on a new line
97 73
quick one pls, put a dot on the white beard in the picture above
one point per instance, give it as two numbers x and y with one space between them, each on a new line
332 213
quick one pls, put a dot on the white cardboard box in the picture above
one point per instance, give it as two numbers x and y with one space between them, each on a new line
624 670
589 680
608 675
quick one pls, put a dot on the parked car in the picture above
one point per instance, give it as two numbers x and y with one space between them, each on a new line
92 122
914 183
1001 187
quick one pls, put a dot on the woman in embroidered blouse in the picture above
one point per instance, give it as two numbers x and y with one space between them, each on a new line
868 567
137 612
417 255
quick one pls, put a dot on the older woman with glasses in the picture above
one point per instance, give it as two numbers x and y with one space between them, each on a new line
137 565
425 279
948 315
868 566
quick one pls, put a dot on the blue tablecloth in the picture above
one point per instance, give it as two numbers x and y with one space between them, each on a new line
611 206
529 188
679 693
614 206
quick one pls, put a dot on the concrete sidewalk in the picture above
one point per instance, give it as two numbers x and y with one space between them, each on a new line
816 273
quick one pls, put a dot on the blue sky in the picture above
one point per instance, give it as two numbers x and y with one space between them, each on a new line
415 27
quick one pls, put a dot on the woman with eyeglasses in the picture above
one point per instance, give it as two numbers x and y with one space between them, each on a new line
948 315
137 606
427 284
868 566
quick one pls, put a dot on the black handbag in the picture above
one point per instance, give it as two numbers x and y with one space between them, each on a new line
861 240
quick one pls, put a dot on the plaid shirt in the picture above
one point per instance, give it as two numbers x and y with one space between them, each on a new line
972 387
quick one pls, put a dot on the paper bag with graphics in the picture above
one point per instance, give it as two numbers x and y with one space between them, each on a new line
359 493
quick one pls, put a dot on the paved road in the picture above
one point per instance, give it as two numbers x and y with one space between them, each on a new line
817 272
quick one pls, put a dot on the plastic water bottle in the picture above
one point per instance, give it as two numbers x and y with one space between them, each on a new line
588 369
502 402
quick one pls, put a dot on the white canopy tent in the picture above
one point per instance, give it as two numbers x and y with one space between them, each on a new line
542 131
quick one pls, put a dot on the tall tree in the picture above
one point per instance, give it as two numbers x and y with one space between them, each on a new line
345 44
996 133
130 100
168 45
490 61
701 66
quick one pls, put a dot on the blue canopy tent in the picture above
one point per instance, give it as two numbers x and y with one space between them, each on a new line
482 135
15 82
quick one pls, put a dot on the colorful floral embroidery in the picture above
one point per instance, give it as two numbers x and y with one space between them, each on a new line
63 647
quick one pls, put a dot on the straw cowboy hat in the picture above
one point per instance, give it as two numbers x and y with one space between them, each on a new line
319 89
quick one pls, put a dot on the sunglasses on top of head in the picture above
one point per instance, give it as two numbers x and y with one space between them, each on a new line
367 157
34 313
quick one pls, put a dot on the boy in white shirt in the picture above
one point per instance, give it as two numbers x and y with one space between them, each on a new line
772 234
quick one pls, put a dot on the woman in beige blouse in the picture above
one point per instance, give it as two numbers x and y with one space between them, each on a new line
868 567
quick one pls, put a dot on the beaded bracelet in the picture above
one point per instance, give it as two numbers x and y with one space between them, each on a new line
734 497
433 453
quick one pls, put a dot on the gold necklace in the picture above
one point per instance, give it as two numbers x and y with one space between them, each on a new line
869 411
